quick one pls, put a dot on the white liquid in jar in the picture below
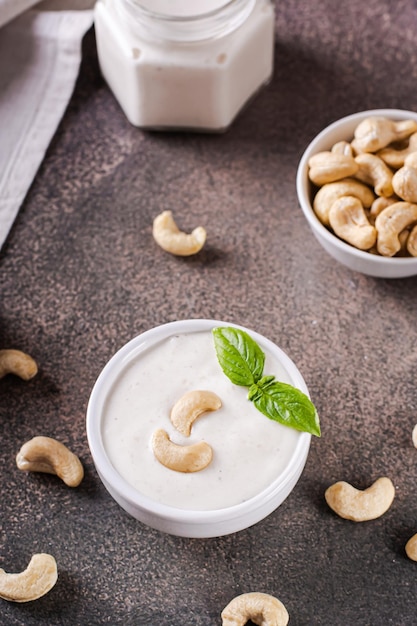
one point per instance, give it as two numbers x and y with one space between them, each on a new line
182 8
250 450
184 73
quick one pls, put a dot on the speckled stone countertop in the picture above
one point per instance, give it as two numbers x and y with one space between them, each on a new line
80 275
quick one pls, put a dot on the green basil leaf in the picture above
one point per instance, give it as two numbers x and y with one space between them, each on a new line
285 404
240 357
256 390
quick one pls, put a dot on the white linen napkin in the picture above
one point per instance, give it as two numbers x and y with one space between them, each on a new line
40 54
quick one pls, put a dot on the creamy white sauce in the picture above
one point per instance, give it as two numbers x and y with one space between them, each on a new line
250 450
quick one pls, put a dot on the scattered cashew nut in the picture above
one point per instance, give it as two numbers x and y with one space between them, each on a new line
414 436
18 363
404 180
187 459
190 406
327 167
261 608
34 582
349 221
331 192
44 454
374 133
167 235
389 224
411 548
361 506
373 171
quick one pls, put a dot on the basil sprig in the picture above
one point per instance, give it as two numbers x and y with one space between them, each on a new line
242 360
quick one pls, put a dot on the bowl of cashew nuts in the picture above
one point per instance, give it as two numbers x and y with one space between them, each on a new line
357 187
179 446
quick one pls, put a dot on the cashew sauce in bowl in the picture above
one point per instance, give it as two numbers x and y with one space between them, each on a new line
256 461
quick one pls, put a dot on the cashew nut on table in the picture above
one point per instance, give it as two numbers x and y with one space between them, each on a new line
411 548
171 239
34 582
359 181
18 363
414 436
260 608
361 506
44 454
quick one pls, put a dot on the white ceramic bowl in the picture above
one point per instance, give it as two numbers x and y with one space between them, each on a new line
357 260
169 519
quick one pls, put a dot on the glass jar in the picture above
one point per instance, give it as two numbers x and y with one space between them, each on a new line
184 64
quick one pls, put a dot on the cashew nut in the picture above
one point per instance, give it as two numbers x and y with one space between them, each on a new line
342 147
44 454
378 205
411 548
403 239
18 363
261 608
35 581
193 458
167 234
395 158
349 221
331 192
389 224
405 179
360 506
371 227
411 243
374 133
373 171
190 406
327 167
414 436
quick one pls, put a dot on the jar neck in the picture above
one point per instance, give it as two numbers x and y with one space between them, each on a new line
191 21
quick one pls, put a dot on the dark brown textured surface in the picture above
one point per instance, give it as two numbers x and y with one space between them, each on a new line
80 275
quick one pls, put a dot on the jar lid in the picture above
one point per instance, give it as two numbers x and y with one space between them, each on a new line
186 20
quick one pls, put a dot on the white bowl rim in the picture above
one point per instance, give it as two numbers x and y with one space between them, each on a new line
132 496
303 196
